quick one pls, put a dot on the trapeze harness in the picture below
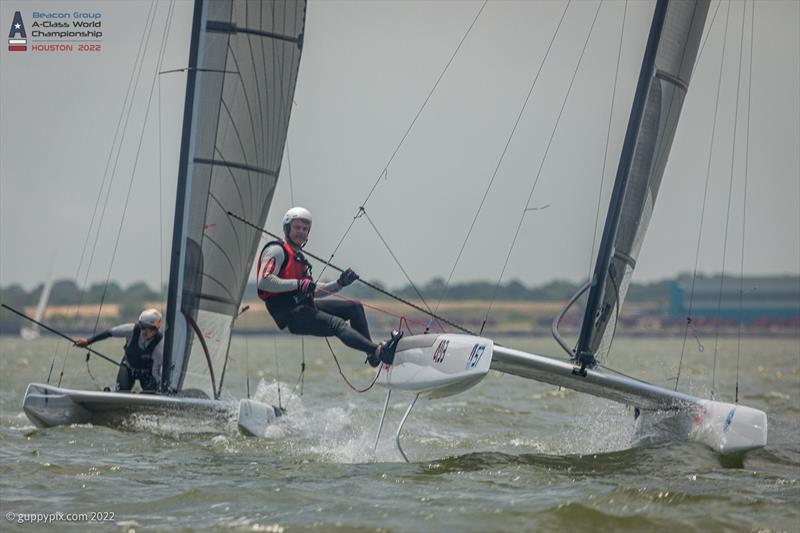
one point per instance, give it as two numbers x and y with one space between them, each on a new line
295 266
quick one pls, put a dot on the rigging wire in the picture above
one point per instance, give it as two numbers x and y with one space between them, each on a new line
708 34
703 211
247 358
744 201
277 369
301 378
396 260
160 171
384 172
148 20
289 164
160 206
544 159
730 197
502 155
136 160
608 138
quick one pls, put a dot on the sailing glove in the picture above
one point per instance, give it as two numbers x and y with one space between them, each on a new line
347 277
306 286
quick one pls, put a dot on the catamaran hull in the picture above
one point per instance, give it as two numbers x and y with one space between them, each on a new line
724 427
48 406
29 334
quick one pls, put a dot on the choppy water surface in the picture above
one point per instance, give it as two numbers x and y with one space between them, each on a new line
508 455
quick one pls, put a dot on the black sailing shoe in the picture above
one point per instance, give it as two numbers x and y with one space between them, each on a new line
373 360
389 347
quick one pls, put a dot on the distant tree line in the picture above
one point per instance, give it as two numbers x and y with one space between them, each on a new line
67 292
513 290
134 296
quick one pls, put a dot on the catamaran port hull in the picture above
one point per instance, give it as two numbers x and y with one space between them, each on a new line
48 406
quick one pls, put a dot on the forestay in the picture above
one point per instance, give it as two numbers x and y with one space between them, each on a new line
664 79
243 67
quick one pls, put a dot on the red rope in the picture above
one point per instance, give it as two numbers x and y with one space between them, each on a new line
341 372
400 326
402 318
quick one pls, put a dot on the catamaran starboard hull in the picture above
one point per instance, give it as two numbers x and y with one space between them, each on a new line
724 427
48 406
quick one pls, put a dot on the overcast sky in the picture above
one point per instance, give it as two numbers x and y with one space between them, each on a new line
365 71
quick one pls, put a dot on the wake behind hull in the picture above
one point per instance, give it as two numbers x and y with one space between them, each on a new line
48 406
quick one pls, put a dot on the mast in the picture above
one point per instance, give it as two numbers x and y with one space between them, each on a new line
181 213
669 58
242 75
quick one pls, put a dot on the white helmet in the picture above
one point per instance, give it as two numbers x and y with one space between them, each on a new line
293 214
150 317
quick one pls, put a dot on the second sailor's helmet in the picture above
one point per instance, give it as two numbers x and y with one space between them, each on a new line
150 318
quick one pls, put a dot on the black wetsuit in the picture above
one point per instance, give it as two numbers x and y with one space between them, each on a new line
138 364
327 318
308 316
141 361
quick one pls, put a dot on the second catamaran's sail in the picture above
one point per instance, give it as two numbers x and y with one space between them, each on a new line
243 68
33 332
664 79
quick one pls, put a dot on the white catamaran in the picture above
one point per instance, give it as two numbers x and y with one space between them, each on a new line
240 80
423 364
236 116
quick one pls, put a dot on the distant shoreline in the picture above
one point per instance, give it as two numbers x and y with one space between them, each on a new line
753 334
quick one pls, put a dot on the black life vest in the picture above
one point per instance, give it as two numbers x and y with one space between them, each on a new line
295 266
141 358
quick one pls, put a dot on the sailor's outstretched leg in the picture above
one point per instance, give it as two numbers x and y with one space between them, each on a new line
349 311
308 320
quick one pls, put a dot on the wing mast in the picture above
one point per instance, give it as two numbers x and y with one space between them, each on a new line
667 65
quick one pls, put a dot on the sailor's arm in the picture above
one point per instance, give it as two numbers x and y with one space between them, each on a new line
268 279
158 359
345 278
122 330
324 289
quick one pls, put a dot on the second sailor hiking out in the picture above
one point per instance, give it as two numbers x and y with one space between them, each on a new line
286 285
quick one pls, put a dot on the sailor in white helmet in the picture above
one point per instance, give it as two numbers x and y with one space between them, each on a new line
143 351
285 283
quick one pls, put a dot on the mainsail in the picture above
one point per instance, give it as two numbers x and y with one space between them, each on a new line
242 71
663 81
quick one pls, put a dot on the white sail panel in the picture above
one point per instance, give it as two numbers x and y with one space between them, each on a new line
245 79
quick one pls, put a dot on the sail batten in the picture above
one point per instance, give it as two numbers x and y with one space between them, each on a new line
236 164
238 132
663 82
225 27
